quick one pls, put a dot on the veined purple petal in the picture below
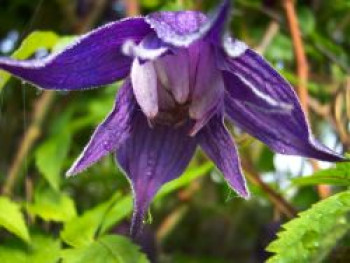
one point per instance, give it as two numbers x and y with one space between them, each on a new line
111 133
145 83
242 90
181 29
217 143
94 59
208 90
150 158
284 133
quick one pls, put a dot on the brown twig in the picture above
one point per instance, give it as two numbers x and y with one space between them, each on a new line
302 64
270 33
132 7
30 137
280 203
303 73
170 222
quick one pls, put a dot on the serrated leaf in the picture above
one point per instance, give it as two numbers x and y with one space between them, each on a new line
310 237
52 206
339 175
34 41
12 219
42 249
50 157
107 249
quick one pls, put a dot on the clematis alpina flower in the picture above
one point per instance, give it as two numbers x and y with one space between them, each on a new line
183 74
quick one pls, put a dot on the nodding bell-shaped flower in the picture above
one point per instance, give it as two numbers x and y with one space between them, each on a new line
183 74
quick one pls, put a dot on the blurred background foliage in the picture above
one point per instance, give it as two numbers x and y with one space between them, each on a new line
45 217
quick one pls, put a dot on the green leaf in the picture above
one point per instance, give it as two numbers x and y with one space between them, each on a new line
42 249
107 249
190 175
81 231
63 42
50 157
52 206
28 47
117 213
307 20
12 219
311 236
339 175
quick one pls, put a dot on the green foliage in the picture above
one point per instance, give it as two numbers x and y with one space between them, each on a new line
107 249
42 249
50 157
81 230
11 218
190 175
28 47
339 175
311 236
52 206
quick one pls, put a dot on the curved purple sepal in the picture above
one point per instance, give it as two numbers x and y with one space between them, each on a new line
94 59
111 133
183 28
285 132
151 157
218 144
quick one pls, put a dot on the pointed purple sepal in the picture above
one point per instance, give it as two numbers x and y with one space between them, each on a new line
218 144
183 28
286 132
111 133
94 59
151 157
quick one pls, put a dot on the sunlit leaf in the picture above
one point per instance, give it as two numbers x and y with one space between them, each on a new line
52 206
81 230
339 175
11 218
107 249
50 157
311 236
190 175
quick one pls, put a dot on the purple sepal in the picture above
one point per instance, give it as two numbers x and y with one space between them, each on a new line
94 59
218 144
239 88
111 133
183 28
286 133
150 158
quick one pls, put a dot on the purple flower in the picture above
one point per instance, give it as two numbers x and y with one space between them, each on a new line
183 74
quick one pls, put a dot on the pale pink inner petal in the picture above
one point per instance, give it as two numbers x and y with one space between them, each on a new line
144 83
174 74
208 88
